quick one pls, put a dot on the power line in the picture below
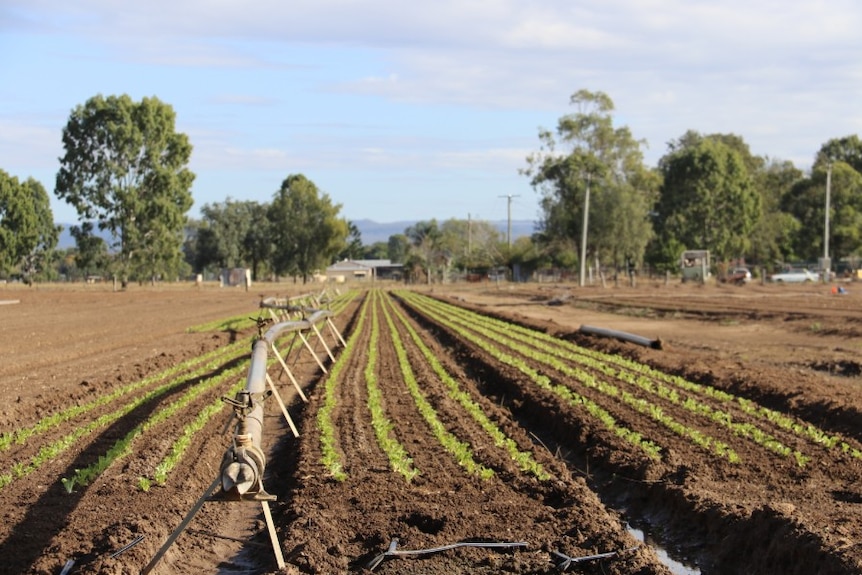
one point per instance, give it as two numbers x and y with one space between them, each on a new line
509 229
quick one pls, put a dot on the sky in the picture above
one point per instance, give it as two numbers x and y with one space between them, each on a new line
404 111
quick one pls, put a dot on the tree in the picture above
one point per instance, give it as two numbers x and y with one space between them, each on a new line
201 247
707 200
603 162
376 251
232 234
733 141
847 149
398 247
226 224
473 244
621 218
773 239
806 202
306 231
425 240
525 258
125 168
353 249
28 235
92 253
257 243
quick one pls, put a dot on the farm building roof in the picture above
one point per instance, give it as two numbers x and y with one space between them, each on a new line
360 265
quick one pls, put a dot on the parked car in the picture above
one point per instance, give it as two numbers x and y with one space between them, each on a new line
799 275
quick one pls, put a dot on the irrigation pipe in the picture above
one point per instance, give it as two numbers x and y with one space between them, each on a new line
569 561
621 335
243 464
392 552
126 547
242 467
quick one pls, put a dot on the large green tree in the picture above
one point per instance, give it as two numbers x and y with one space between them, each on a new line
847 149
600 167
125 168
708 200
306 232
232 234
773 239
28 235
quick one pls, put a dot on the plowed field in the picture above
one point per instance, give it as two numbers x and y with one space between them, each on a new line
473 418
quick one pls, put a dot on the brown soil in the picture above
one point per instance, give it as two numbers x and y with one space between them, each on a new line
790 350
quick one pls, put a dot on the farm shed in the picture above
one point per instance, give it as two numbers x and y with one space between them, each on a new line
363 270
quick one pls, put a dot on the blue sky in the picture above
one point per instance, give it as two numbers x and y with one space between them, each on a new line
403 110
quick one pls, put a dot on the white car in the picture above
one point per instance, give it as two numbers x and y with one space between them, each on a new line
794 276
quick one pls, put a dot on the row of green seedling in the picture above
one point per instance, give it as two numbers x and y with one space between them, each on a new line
123 446
52 450
468 320
20 436
552 354
524 459
460 450
637 373
183 442
566 394
179 447
234 323
805 431
399 460
330 456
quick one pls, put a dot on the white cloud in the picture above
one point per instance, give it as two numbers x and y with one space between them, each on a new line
783 75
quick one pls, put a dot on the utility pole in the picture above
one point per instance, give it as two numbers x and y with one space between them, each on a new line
827 265
509 232
583 278
469 234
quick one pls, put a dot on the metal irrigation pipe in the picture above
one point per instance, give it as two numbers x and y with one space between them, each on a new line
621 335
244 462
287 306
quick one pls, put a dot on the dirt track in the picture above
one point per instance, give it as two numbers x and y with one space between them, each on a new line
790 350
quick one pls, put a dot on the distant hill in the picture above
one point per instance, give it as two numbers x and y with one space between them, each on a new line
67 241
372 232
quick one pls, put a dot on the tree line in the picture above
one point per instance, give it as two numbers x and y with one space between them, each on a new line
125 170
707 192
